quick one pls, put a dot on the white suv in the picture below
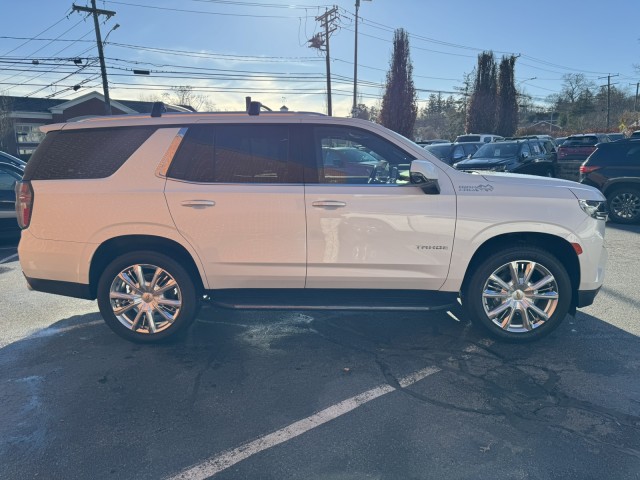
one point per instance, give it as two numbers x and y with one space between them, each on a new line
151 215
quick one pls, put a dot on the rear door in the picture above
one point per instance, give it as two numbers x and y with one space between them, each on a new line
374 230
236 195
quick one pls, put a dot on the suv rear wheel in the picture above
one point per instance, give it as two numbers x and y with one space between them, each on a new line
147 297
624 205
519 295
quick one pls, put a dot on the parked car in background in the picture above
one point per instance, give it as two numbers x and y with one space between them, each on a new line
516 156
478 137
451 153
560 140
635 134
579 147
574 151
6 158
613 137
614 169
10 173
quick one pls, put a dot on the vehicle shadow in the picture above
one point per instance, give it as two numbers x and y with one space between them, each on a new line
121 410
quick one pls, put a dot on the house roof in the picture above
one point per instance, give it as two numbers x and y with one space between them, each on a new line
31 104
45 105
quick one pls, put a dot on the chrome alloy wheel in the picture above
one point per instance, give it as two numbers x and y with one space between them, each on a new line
626 205
520 296
145 298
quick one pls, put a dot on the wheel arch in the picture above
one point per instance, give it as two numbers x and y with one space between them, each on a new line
114 247
557 246
620 182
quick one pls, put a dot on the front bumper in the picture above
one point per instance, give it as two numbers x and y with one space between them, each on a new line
586 297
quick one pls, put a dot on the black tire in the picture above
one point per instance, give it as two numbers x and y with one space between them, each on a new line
624 205
478 301
179 301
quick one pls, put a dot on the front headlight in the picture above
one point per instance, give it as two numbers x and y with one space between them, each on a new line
594 208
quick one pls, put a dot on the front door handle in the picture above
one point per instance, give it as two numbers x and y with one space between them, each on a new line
198 203
329 204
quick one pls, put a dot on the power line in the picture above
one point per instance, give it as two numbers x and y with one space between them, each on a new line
204 12
31 39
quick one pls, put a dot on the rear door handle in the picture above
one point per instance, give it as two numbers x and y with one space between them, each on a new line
329 204
198 203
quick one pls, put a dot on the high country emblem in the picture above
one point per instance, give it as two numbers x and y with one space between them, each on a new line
475 188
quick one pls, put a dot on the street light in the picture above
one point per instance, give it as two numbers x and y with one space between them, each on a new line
355 63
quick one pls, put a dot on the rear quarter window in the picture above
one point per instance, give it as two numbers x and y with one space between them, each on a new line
83 154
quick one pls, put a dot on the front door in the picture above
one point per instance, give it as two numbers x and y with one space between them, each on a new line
367 225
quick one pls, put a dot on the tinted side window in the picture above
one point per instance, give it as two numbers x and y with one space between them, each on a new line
354 156
633 155
610 154
91 153
236 154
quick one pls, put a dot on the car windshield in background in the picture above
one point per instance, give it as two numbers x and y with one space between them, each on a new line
587 141
468 138
439 150
497 150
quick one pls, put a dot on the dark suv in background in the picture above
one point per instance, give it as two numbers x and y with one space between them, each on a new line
614 169
518 155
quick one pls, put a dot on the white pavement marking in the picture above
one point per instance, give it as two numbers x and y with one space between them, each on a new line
10 257
229 458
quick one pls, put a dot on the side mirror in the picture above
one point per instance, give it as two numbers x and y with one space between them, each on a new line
424 174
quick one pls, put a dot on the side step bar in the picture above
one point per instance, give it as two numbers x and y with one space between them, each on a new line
321 299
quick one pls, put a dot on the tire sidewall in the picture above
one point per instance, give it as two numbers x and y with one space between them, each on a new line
190 297
472 298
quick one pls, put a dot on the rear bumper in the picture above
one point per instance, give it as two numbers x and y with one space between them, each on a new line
67 289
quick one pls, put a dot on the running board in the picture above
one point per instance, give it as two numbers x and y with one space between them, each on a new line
321 299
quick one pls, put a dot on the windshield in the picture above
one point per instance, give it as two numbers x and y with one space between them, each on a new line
497 150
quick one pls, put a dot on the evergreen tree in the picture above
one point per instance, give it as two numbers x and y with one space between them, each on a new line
399 103
481 115
507 108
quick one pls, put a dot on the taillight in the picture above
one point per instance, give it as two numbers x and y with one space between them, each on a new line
24 203
588 169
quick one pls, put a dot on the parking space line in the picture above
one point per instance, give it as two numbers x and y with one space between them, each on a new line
10 257
229 458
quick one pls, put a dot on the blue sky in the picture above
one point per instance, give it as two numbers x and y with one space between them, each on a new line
227 49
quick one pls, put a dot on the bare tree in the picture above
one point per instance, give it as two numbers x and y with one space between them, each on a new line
399 103
184 95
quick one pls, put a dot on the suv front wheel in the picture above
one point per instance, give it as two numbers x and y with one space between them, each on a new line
147 297
519 295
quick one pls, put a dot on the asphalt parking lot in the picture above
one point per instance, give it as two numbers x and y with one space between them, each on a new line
335 395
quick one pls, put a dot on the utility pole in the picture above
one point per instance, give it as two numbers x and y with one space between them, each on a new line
355 64
635 101
321 40
608 77
108 13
